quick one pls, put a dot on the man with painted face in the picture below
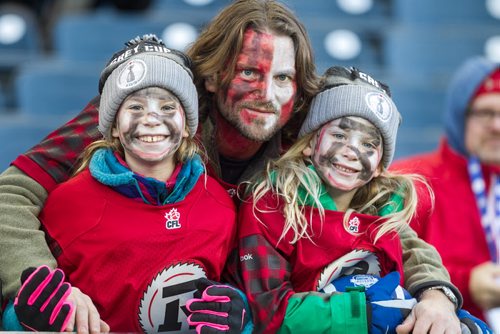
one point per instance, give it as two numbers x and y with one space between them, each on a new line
254 72
466 169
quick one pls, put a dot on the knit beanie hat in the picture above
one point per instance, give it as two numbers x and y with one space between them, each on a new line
463 86
349 92
146 62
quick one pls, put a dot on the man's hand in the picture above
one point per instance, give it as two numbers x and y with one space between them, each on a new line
221 309
41 304
86 316
433 314
484 287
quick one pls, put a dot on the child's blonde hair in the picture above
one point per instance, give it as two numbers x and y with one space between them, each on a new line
286 175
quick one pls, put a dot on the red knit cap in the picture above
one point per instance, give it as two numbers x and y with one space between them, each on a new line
490 85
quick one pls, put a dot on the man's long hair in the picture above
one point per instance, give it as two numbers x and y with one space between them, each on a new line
217 48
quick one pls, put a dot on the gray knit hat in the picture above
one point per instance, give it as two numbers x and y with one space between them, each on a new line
146 62
349 92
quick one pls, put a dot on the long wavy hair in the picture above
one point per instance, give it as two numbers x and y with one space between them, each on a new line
216 51
286 175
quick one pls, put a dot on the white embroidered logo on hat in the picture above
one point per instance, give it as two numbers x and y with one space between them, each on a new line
379 105
132 74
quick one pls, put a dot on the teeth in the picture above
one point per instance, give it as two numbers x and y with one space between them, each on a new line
151 139
343 169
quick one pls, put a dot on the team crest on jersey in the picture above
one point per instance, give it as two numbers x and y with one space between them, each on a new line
163 305
353 263
172 219
353 225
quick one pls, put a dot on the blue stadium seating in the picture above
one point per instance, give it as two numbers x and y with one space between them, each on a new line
51 88
427 53
337 51
18 133
209 7
444 12
421 108
336 9
97 36
20 39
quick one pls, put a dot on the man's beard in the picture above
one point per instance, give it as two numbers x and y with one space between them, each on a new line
257 130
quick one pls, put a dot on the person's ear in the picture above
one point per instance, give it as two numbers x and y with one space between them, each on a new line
185 133
114 132
308 150
211 83
379 170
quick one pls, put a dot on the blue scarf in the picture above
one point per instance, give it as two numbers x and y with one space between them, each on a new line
106 169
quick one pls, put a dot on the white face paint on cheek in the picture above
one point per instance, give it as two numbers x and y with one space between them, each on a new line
341 157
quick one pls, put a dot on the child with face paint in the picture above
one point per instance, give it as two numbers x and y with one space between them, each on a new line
140 221
328 211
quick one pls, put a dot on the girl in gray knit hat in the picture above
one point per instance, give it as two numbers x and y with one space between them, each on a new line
140 221
327 215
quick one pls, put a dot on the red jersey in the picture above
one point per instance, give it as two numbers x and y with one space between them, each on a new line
137 262
273 269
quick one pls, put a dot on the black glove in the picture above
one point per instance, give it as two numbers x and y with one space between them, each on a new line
220 309
41 304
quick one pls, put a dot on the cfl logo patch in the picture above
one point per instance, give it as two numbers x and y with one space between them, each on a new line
353 225
173 219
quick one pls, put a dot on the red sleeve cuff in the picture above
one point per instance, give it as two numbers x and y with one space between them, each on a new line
37 173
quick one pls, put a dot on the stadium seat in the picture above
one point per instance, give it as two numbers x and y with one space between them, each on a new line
49 88
97 36
20 39
421 108
341 9
18 133
426 53
347 43
209 7
446 11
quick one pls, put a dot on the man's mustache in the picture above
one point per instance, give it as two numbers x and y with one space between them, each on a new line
261 106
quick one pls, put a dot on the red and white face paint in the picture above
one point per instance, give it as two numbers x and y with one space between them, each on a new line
150 126
346 153
260 96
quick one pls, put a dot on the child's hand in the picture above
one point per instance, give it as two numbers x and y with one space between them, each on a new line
221 309
41 304
86 318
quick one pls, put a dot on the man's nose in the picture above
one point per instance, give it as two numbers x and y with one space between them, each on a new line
265 88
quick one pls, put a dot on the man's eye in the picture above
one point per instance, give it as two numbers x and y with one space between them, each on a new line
283 78
247 73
